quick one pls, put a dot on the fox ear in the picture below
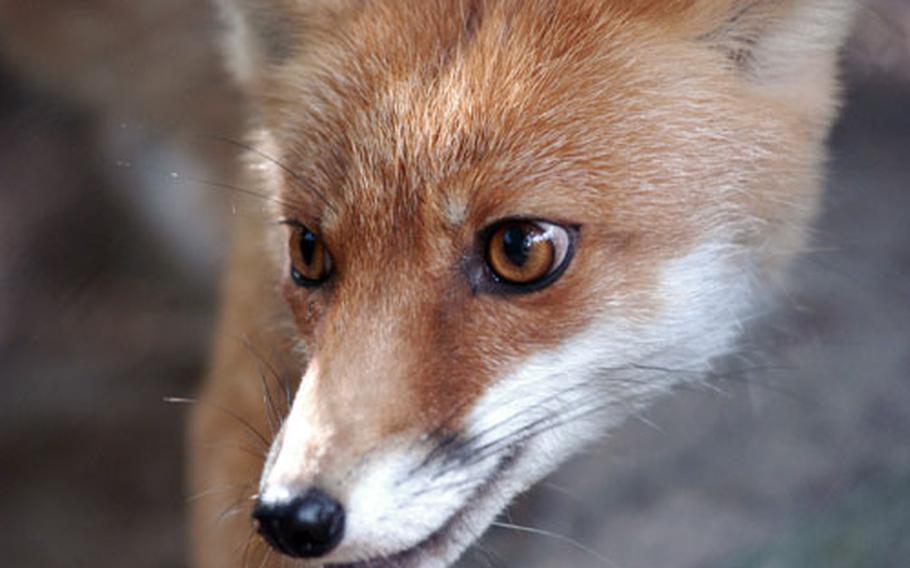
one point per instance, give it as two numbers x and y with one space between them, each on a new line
253 37
263 33
778 40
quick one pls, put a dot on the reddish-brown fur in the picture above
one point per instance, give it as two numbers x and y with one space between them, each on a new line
550 120
411 126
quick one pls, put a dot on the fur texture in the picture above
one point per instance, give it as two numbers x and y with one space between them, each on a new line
683 138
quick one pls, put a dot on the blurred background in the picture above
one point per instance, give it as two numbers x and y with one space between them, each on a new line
112 188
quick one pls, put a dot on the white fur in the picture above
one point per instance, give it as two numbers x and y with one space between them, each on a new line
554 403
239 45
567 397
793 49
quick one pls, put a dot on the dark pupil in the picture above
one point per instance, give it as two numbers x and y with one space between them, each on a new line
516 243
307 247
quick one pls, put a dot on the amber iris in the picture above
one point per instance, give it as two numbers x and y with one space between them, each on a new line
310 260
521 252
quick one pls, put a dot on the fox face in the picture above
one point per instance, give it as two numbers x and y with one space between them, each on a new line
503 227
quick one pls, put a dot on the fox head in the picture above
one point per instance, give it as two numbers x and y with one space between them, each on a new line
500 224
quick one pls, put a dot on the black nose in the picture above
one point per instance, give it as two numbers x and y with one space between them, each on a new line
306 527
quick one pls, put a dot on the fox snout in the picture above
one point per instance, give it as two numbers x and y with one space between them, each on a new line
351 473
293 514
505 227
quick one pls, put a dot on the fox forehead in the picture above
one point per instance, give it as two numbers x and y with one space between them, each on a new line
405 145
679 140
486 112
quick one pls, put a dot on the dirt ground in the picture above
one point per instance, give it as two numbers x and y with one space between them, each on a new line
795 456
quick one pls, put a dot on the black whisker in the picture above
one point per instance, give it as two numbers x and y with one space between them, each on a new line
436 433
520 435
467 442
249 427
294 175
235 188
277 378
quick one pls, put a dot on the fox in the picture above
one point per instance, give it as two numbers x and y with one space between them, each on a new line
493 226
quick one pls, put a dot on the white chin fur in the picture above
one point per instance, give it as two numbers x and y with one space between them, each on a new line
550 407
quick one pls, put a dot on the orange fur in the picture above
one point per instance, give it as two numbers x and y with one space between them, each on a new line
407 127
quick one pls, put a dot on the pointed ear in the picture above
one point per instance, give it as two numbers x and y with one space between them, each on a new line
263 33
245 45
778 40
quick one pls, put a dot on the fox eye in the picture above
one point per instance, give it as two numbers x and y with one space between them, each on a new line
310 260
530 254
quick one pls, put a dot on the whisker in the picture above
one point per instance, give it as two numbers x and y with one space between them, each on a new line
492 428
540 424
230 187
437 431
466 485
537 421
236 507
277 378
648 422
534 428
491 559
249 427
181 132
294 175
266 557
563 491
556 536
250 540
272 417
239 448
217 489
180 177
228 513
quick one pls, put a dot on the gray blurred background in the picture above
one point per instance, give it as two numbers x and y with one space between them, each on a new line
797 454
